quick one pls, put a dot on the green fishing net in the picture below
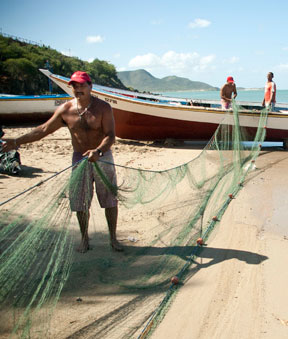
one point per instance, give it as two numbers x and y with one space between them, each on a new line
10 162
41 274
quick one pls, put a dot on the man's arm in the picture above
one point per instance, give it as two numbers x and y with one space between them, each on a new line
222 93
50 126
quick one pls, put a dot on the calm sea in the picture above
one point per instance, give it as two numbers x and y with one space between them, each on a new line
243 95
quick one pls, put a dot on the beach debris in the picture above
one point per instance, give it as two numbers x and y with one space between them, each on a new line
132 239
79 299
175 280
215 218
250 166
282 321
231 196
200 241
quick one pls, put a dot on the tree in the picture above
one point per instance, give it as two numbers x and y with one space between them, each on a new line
20 63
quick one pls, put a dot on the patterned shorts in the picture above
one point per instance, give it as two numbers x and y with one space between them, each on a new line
225 104
81 183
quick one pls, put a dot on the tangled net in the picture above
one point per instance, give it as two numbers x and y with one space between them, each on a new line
169 209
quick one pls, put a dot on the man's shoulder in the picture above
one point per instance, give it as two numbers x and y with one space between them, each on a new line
65 107
102 103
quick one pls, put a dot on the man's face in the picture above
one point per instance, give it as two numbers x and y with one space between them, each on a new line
269 76
81 90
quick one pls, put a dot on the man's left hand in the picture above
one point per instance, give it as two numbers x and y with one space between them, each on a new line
92 155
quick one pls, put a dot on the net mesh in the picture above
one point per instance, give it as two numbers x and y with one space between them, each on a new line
168 211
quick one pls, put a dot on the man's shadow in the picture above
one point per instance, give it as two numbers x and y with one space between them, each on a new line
140 262
216 255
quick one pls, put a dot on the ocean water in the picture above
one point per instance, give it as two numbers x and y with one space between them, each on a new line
243 95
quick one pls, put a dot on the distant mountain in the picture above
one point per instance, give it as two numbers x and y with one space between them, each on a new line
144 81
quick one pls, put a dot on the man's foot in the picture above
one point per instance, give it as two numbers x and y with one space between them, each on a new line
116 246
83 247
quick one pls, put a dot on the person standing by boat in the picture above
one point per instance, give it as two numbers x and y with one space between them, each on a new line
91 124
226 93
270 93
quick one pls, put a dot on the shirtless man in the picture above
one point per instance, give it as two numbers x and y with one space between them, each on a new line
270 93
91 125
226 93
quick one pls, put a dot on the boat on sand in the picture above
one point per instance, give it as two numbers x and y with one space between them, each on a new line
19 109
141 116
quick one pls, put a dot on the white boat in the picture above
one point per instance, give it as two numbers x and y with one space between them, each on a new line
18 109
141 116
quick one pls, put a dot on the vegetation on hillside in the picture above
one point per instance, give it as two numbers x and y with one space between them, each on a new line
20 63
144 81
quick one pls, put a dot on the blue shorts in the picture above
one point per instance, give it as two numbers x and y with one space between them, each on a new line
81 189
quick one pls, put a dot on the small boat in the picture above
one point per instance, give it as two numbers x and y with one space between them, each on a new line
19 109
141 116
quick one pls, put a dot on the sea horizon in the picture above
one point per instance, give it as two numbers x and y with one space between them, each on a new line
251 95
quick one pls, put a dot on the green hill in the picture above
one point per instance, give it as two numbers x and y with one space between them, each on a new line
20 63
144 81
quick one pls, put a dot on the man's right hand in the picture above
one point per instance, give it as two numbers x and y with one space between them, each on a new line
8 145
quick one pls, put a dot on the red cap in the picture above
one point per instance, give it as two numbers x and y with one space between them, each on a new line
79 76
230 79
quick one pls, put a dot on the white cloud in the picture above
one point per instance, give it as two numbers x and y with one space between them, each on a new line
121 69
282 67
285 48
232 60
146 60
94 39
199 23
171 62
156 22
67 53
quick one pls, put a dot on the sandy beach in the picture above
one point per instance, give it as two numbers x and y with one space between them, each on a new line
236 293
238 288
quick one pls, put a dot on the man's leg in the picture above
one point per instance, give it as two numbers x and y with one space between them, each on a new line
83 219
111 217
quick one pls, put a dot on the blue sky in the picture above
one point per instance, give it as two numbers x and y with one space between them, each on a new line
200 40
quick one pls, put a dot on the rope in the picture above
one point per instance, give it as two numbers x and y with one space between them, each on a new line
40 183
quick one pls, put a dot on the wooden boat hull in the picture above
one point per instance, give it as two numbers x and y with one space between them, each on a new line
129 125
16 110
155 117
